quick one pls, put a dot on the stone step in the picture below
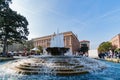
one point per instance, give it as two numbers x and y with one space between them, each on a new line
27 72
71 73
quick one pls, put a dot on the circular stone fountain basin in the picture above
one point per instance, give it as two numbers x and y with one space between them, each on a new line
56 65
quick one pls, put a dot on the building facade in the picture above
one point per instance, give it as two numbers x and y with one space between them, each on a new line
116 41
85 43
70 41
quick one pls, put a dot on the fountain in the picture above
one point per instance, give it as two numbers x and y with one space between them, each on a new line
56 63
57 46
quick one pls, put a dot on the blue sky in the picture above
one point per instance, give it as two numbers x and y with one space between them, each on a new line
93 20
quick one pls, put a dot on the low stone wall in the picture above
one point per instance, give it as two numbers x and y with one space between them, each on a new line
113 60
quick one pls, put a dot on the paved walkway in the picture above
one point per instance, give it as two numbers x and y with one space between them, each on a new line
6 58
113 60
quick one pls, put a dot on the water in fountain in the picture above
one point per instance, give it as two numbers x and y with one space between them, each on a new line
57 40
56 64
57 45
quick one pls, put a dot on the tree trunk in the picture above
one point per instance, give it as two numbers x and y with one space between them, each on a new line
4 46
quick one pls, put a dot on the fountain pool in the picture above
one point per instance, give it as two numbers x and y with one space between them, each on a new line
55 65
110 73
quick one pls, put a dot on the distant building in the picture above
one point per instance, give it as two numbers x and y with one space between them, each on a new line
70 41
116 41
85 43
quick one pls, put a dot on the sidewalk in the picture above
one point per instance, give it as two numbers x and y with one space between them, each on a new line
113 60
6 58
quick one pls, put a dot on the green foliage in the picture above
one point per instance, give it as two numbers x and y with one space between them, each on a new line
105 46
38 52
29 45
84 49
40 48
16 47
13 26
4 4
117 49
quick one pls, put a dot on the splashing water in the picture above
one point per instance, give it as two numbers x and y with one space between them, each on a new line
57 41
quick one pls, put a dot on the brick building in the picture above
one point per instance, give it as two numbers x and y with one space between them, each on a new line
70 41
85 43
116 41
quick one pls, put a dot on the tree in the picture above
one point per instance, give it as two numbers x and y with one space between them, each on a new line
105 46
13 27
84 48
117 50
40 48
3 5
16 47
29 45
